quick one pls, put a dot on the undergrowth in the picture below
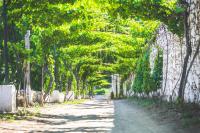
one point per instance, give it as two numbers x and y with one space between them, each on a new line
76 101
188 113
20 115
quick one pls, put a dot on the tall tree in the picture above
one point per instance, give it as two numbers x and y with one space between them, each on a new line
5 38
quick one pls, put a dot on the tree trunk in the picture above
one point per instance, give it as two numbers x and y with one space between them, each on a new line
42 85
186 59
69 84
61 83
56 75
68 87
83 88
50 84
5 50
78 86
121 94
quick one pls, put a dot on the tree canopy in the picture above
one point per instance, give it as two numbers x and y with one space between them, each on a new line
78 44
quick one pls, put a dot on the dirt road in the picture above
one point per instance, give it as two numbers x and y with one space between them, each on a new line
96 116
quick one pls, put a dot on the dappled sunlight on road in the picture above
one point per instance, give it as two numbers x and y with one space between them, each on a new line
92 116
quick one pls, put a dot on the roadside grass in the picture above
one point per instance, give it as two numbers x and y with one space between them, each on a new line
187 114
76 101
21 114
190 115
6 117
28 113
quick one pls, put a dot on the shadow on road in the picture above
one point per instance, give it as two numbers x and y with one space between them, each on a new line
98 118
95 116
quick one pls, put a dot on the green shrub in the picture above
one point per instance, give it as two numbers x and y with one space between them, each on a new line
99 92
145 81
158 70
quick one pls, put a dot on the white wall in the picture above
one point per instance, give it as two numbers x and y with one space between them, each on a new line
55 97
174 49
7 98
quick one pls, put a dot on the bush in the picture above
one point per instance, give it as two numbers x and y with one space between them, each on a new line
145 81
99 92
158 69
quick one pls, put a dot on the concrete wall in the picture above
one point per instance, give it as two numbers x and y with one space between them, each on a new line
7 98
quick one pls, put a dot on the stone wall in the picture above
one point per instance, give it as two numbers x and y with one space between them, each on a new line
55 97
173 56
193 84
